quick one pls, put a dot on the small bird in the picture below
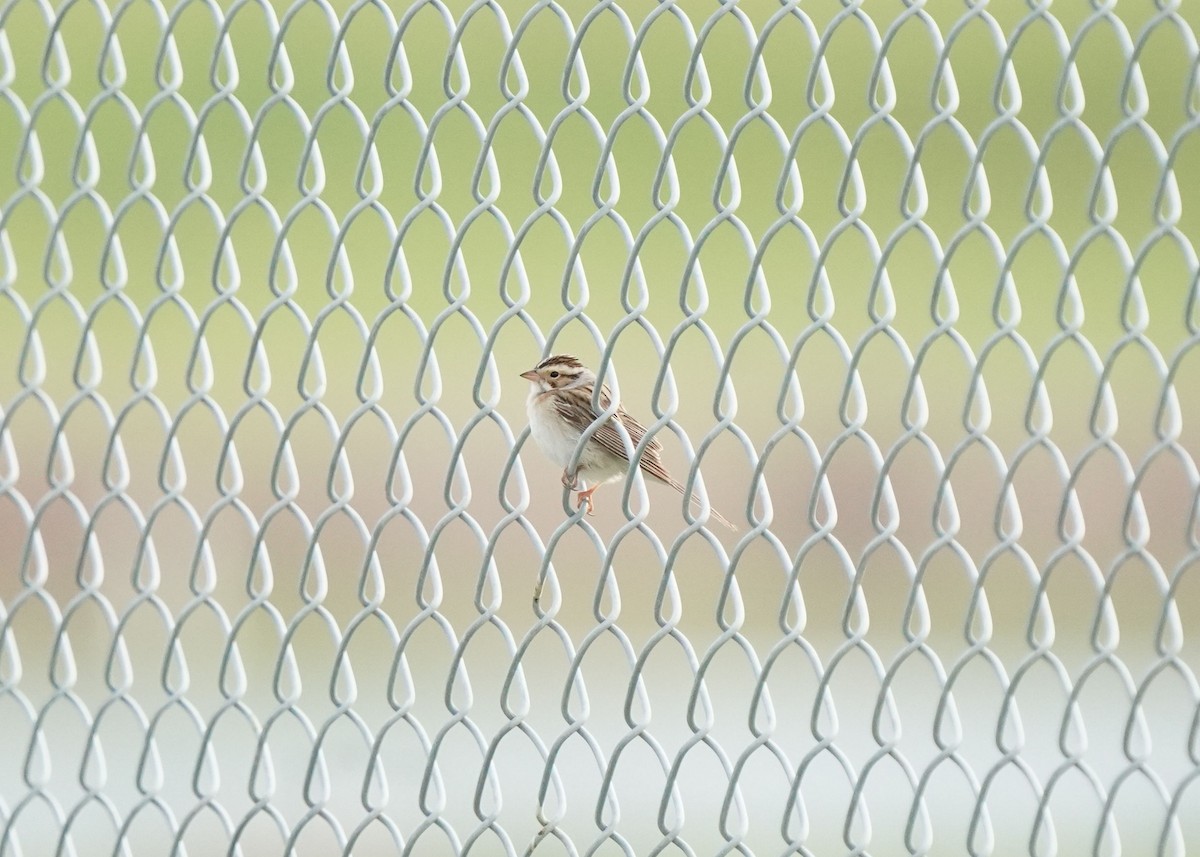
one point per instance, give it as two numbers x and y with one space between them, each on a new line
560 410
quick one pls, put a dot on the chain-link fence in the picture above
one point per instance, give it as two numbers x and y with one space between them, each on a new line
909 291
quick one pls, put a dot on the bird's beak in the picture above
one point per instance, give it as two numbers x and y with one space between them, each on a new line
531 375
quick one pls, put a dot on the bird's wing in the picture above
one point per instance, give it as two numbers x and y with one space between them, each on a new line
609 436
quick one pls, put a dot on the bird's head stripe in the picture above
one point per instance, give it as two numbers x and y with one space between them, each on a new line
563 360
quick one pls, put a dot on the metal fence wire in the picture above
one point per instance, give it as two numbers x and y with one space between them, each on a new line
908 290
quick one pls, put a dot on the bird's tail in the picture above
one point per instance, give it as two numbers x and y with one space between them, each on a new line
697 506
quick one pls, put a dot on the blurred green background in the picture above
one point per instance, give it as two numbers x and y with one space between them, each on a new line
182 182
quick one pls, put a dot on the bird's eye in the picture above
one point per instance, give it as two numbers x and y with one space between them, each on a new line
554 374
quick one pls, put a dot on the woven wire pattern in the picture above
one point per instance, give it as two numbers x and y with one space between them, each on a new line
907 290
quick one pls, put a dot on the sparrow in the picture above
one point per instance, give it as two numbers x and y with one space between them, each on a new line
560 410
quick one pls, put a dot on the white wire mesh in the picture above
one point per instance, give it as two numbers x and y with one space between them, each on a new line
913 285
